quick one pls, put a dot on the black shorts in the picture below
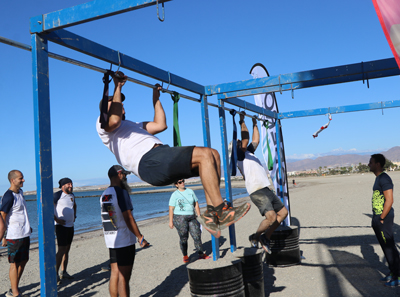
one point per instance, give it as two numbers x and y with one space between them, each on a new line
64 235
18 250
163 165
123 256
266 200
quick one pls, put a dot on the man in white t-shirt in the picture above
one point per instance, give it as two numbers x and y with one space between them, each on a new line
257 183
14 213
64 218
137 149
120 230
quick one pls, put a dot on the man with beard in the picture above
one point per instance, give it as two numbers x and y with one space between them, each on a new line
383 217
64 217
14 213
120 230
137 149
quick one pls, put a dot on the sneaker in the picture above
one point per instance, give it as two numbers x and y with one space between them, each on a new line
394 282
65 275
387 278
253 242
203 257
9 293
185 259
58 280
231 215
265 243
209 221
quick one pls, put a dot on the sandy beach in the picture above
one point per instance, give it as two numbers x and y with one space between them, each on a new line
341 254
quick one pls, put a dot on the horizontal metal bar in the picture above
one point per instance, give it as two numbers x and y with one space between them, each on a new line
88 66
85 12
106 54
339 109
249 106
306 79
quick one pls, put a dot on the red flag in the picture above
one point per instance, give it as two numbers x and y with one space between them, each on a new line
388 12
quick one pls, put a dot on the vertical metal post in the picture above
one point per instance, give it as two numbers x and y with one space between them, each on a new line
44 174
278 147
207 143
227 173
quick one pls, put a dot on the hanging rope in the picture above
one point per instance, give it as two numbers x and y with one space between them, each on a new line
233 160
177 137
324 126
270 161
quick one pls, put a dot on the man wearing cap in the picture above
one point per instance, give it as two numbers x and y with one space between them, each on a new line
14 213
120 230
64 218
137 149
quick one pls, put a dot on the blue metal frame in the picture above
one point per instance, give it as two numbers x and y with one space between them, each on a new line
207 143
84 13
306 79
44 174
339 109
227 172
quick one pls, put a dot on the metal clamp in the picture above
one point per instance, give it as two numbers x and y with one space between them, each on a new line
163 12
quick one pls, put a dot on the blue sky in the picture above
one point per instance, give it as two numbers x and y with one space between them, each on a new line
208 42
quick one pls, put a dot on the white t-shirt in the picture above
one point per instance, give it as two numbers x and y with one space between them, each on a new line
113 202
129 142
17 221
255 176
64 208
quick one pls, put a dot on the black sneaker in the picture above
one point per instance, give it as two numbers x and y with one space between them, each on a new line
65 275
265 243
253 241
209 221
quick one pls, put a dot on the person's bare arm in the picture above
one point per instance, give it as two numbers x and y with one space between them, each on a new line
159 122
256 133
2 227
3 217
244 133
388 203
132 226
116 109
197 208
171 217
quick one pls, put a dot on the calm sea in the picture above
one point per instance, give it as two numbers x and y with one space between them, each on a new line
145 206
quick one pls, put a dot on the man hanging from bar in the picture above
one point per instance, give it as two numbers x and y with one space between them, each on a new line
137 149
257 182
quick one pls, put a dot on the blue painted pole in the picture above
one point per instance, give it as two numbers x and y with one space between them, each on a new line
44 174
227 173
279 172
207 143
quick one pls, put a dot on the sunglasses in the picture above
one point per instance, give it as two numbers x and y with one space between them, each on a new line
181 182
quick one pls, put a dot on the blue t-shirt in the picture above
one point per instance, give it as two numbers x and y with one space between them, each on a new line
183 202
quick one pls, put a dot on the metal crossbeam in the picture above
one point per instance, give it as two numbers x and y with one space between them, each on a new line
93 49
249 106
306 79
339 109
84 13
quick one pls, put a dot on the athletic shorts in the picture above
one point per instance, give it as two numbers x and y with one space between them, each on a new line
163 165
64 235
123 256
18 250
266 200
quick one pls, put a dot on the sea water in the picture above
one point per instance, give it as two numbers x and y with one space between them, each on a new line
145 206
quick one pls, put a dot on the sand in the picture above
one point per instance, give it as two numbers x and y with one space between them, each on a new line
341 254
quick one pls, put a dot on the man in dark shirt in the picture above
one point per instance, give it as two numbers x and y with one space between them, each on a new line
383 216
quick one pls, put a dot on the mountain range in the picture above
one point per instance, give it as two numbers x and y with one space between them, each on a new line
392 154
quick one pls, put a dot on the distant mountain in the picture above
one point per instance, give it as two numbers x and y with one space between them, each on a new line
340 161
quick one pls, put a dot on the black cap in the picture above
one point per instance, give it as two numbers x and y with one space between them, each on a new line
64 181
115 169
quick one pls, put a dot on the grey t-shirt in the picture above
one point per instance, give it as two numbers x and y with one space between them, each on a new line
383 182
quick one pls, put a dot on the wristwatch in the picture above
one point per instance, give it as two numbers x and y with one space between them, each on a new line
381 218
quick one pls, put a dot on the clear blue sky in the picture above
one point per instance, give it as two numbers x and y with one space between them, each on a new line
208 42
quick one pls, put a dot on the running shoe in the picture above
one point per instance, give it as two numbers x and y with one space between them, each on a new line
387 278
65 275
210 222
253 241
265 243
394 282
231 215
203 257
185 259
58 280
9 293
